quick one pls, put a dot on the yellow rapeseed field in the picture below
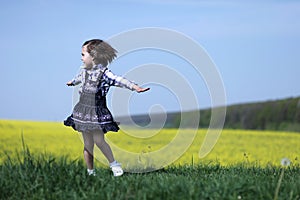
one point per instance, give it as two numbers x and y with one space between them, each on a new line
259 148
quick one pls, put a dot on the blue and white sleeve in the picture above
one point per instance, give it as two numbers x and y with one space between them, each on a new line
119 81
78 78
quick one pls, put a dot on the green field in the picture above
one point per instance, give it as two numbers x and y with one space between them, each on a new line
242 165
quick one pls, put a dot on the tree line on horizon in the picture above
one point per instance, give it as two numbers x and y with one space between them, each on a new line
283 115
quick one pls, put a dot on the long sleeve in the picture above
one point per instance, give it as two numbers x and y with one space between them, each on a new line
78 78
114 80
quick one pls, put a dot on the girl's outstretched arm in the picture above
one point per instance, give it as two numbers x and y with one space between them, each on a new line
115 80
140 89
77 79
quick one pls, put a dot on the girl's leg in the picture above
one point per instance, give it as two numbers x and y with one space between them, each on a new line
103 146
106 150
88 140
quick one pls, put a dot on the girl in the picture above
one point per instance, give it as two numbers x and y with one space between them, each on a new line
90 115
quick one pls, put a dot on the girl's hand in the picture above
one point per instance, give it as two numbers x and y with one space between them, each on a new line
139 89
70 83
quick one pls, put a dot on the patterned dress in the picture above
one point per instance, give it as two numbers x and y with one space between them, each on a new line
91 112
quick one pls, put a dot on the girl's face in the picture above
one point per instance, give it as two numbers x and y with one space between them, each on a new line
86 58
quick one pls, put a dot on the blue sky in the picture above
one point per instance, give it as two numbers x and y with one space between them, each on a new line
255 46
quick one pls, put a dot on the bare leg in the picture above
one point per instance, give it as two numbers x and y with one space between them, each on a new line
103 146
88 140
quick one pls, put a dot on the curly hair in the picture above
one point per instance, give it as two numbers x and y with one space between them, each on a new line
101 52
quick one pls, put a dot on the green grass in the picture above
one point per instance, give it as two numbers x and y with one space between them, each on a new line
48 177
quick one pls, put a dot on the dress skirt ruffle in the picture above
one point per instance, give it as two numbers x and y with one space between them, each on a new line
91 114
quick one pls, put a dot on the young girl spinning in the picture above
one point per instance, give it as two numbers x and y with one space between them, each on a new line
90 115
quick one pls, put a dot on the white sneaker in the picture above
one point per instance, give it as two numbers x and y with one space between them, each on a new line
116 169
91 172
